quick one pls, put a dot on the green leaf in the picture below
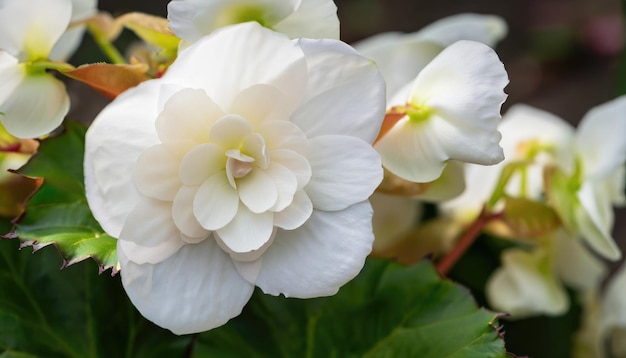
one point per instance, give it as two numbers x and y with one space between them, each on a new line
58 214
47 312
389 310
528 218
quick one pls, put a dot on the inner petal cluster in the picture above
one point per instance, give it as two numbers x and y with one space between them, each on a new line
239 181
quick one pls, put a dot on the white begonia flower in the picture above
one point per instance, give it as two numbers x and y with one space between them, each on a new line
583 193
400 56
531 282
450 111
249 168
192 19
32 102
67 44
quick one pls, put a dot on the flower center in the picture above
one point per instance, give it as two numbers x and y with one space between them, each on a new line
238 165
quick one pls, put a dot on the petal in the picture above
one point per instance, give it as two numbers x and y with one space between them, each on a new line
520 288
320 256
284 135
201 162
254 146
394 215
35 107
67 44
463 87
312 19
613 303
345 92
193 19
346 170
187 115
257 191
195 290
247 231
296 163
576 266
182 213
487 29
399 58
156 172
260 103
296 214
243 49
413 151
230 130
593 218
216 202
286 184
449 185
113 142
39 25
600 140
149 233
524 124
12 74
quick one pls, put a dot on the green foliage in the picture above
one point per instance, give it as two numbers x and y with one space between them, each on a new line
47 312
58 213
388 311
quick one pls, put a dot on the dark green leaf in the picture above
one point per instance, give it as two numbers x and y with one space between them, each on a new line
58 213
388 311
48 312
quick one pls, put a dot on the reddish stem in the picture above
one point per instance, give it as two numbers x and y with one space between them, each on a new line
467 239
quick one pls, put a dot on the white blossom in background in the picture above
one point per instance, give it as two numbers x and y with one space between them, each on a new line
67 44
192 19
249 168
401 56
449 112
32 102
532 281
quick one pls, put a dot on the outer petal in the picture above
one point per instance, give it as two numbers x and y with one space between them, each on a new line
156 173
522 124
67 44
320 256
345 92
11 72
192 19
34 32
243 50
195 290
399 57
576 266
35 107
123 130
488 29
594 220
346 171
613 303
600 139
464 86
151 228
312 19
413 151
521 288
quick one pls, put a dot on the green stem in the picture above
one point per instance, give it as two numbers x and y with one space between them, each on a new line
106 46
48 65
